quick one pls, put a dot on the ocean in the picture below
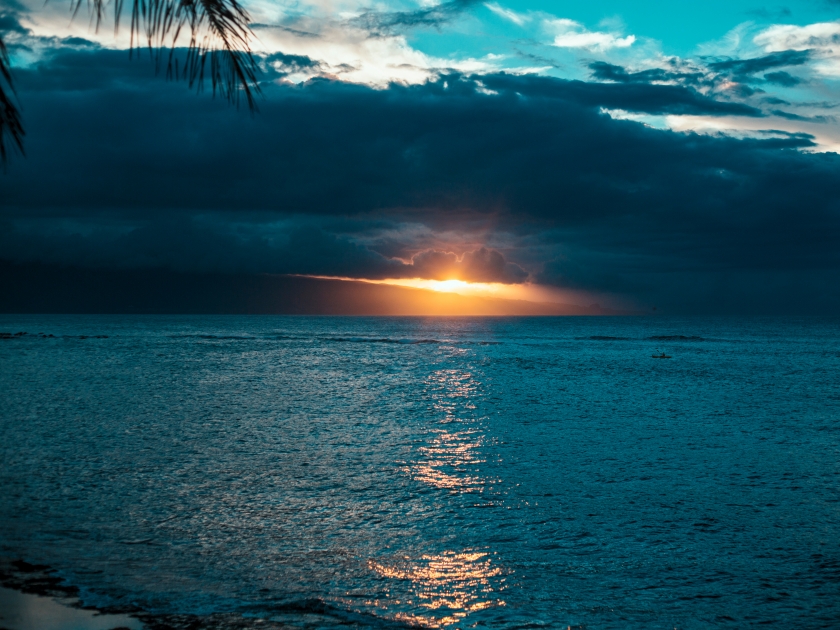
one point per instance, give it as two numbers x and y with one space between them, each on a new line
439 472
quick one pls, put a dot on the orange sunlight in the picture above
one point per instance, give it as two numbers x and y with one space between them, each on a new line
525 292
459 297
487 289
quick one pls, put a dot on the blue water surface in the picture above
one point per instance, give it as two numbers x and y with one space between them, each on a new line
446 472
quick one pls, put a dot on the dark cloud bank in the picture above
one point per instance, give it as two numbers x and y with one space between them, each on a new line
127 172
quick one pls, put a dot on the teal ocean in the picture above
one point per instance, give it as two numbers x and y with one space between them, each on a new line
442 472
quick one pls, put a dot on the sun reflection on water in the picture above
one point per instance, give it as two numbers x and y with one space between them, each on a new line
447 587
440 590
450 460
454 452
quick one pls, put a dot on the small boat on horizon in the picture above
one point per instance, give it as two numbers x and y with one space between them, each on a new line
662 355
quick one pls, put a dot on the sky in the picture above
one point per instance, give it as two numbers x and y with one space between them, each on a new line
681 156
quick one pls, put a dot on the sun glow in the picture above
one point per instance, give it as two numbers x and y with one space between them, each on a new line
450 286
496 295
525 291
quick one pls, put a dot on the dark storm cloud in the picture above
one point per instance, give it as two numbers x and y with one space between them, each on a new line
9 23
782 78
125 139
604 71
634 97
790 116
286 64
581 272
127 169
714 75
216 244
761 64
389 22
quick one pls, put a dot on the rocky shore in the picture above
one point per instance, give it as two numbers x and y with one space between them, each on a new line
28 580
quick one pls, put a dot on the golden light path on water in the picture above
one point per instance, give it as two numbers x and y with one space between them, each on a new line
450 449
445 588
449 585
449 461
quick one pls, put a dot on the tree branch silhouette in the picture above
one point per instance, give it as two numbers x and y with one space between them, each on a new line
215 33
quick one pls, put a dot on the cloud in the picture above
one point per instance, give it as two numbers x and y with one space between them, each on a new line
217 243
295 68
774 60
610 72
748 82
140 173
784 37
571 34
633 97
729 74
587 272
782 78
481 265
9 24
792 116
351 53
390 22
820 40
517 18
368 47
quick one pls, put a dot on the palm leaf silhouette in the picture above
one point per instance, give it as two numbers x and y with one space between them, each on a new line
215 33
11 128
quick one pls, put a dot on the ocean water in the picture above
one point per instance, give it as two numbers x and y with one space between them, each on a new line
443 472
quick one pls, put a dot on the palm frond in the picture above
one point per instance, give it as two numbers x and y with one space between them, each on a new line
11 129
216 33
